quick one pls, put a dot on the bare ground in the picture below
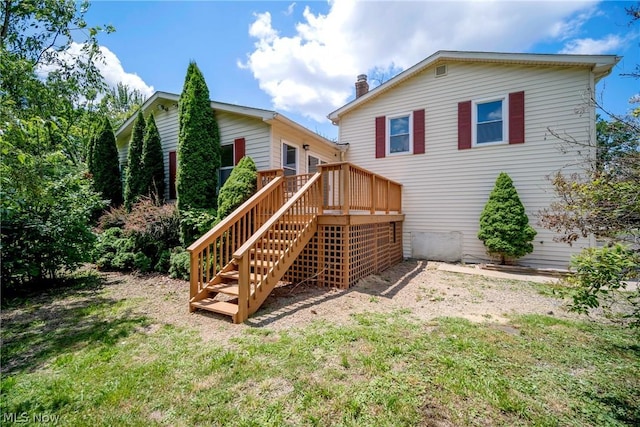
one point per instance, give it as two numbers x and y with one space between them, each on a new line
426 290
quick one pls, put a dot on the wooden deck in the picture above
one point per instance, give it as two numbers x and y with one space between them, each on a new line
333 227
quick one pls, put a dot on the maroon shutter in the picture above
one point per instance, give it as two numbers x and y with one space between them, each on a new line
464 125
238 150
516 118
173 163
381 136
418 132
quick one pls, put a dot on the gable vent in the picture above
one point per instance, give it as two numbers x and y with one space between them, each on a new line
441 70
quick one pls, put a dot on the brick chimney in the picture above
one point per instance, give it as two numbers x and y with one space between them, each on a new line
362 86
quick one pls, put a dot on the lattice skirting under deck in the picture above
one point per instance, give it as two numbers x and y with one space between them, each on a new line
340 255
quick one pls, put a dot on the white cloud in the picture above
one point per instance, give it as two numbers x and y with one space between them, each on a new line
290 9
313 72
594 46
110 67
113 73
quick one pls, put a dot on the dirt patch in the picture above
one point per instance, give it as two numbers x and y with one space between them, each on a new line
424 289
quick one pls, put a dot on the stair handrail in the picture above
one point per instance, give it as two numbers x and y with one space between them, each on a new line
201 272
308 211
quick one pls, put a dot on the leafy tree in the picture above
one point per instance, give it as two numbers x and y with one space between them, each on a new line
240 185
46 204
603 201
504 224
47 83
153 162
120 103
135 185
106 175
198 145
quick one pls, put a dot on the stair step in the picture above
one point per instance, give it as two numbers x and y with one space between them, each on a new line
235 275
221 307
267 251
281 242
266 265
225 288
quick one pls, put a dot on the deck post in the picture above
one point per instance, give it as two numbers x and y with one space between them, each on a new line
346 202
373 194
243 289
388 197
194 276
320 195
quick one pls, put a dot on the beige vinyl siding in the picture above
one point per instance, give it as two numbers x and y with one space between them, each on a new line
255 132
231 126
168 128
286 134
445 189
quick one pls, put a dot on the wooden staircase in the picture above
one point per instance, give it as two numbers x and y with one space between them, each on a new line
236 265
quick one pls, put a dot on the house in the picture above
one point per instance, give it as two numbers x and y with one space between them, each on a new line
269 138
446 127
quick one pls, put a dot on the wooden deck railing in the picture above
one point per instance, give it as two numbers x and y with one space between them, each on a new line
347 188
266 176
266 255
213 252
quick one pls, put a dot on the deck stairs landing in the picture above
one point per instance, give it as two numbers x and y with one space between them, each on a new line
236 265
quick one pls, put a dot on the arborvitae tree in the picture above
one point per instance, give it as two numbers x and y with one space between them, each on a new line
134 183
240 185
198 145
106 167
504 225
153 162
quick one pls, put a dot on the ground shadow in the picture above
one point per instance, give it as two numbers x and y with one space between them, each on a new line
301 297
36 329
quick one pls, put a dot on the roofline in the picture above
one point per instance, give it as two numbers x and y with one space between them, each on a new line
600 64
298 126
265 115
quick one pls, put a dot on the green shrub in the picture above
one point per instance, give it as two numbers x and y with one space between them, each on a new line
46 231
599 273
153 162
504 224
134 179
194 223
141 262
146 235
105 165
123 261
198 145
163 263
180 264
239 187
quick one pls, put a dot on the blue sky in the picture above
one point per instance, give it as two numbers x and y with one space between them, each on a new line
302 58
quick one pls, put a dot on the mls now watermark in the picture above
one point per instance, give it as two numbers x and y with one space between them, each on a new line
27 418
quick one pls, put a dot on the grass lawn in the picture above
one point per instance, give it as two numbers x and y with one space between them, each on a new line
94 361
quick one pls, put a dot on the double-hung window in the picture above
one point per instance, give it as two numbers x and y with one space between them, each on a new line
399 136
490 121
289 159
226 163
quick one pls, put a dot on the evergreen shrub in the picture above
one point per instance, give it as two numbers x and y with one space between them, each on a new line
504 224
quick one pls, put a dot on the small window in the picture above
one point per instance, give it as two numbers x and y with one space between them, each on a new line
226 163
289 159
399 140
489 125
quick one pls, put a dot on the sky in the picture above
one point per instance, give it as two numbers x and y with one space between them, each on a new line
301 58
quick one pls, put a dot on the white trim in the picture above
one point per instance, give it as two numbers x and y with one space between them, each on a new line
285 142
601 65
387 138
505 120
317 156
